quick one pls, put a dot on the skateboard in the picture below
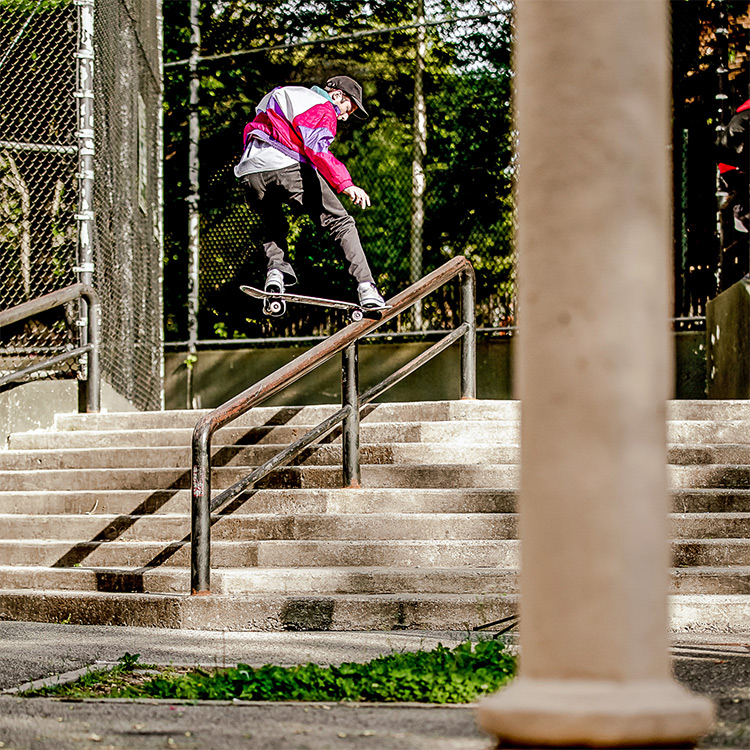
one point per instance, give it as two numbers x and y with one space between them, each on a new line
274 304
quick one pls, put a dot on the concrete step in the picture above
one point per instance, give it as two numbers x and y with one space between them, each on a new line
718 613
408 476
480 409
315 580
255 527
705 410
251 456
259 612
691 432
446 476
417 411
709 526
502 553
710 553
709 431
719 476
726 454
448 452
297 501
312 500
247 526
710 500
331 580
265 553
732 579
488 432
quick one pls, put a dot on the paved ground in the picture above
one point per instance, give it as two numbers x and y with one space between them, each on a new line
717 665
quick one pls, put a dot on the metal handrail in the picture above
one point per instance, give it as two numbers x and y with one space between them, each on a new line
90 337
344 341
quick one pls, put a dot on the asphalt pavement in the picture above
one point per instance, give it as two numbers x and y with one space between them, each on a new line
717 665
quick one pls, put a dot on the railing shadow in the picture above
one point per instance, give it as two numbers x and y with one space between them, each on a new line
159 498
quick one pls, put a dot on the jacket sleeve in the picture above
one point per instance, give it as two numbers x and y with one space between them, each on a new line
316 128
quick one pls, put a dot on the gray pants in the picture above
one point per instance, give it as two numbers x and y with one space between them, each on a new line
301 187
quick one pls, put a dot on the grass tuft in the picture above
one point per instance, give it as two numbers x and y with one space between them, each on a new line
443 675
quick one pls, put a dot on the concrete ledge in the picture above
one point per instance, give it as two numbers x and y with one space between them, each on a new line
343 612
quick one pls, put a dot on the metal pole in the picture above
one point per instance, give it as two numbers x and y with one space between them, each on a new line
94 376
194 197
160 191
469 339
684 246
350 433
200 538
418 156
85 215
722 77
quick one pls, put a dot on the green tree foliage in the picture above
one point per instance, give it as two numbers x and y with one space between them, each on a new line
469 152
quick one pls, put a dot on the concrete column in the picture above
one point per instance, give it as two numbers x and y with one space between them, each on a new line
594 372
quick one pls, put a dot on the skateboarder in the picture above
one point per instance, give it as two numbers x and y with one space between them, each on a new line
287 161
734 166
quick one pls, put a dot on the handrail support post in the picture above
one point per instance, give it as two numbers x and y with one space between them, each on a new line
350 433
469 339
200 538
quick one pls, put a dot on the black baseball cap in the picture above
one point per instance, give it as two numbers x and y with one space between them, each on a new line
353 90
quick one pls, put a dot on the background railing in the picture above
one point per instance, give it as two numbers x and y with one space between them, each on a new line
50 360
345 342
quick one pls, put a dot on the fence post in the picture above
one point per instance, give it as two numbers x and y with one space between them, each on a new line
419 151
350 397
193 198
469 339
94 374
85 215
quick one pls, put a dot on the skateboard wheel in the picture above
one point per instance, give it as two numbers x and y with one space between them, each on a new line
274 307
357 315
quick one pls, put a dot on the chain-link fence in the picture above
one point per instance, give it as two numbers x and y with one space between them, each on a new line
43 143
38 157
455 64
127 195
710 81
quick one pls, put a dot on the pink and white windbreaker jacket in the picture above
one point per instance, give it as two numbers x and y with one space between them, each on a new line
301 123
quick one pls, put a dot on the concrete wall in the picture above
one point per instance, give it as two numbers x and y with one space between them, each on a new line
728 343
32 406
222 373
690 364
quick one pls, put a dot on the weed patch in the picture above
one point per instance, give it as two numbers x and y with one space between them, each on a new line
442 675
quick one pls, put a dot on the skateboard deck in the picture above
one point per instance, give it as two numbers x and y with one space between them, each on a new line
275 303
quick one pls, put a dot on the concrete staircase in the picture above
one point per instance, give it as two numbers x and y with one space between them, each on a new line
95 521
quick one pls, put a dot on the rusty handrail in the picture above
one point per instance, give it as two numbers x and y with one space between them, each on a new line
89 346
293 371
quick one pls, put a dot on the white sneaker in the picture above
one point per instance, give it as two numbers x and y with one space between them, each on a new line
369 296
274 282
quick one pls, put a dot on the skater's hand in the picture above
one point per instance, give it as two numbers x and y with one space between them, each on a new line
358 196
